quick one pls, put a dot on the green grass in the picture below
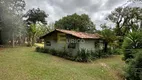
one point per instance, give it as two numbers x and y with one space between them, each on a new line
25 64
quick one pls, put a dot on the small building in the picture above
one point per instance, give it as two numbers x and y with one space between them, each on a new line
72 41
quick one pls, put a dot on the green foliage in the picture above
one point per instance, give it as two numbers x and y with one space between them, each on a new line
129 54
36 18
76 22
11 23
83 56
132 56
36 15
126 19
117 51
110 39
134 68
40 49
133 40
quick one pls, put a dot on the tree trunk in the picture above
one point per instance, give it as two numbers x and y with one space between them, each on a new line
13 40
29 40
33 40
105 46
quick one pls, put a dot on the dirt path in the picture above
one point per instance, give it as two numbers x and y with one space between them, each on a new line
112 72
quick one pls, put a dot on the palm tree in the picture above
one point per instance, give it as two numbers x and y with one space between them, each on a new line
133 40
109 39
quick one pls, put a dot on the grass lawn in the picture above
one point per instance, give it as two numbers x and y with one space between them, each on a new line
25 64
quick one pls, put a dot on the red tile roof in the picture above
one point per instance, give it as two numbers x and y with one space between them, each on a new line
82 35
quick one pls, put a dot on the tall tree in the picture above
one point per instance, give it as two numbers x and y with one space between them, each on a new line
34 17
76 22
126 19
11 19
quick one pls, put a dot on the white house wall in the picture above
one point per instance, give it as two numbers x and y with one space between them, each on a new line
87 44
55 45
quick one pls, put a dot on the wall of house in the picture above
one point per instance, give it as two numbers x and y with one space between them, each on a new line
56 44
87 44
61 43
72 51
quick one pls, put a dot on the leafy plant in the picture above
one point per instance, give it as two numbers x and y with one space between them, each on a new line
83 56
134 69
132 42
40 49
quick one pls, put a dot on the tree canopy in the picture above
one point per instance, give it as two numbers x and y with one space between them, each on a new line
126 19
36 15
76 22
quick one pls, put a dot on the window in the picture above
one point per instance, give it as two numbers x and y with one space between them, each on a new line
72 45
48 43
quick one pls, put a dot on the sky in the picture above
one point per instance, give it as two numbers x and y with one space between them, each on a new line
96 9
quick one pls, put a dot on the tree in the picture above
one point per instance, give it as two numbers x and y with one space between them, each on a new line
76 22
109 38
11 19
34 17
126 19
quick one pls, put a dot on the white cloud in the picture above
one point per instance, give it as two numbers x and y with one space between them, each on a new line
96 9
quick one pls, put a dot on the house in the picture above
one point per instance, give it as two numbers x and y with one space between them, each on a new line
72 41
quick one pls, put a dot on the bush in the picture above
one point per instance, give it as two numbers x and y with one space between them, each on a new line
46 50
37 49
117 51
40 49
83 56
129 54
134 69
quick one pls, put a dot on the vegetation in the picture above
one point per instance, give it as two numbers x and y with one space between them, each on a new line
82 55
76 22
26 64
134 68
35 24
126 19
11 22
110 39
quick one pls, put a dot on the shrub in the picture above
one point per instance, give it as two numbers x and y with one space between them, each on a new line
53 52
40 49
134 68
83 56
129 54
95 54
46 50
117 51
